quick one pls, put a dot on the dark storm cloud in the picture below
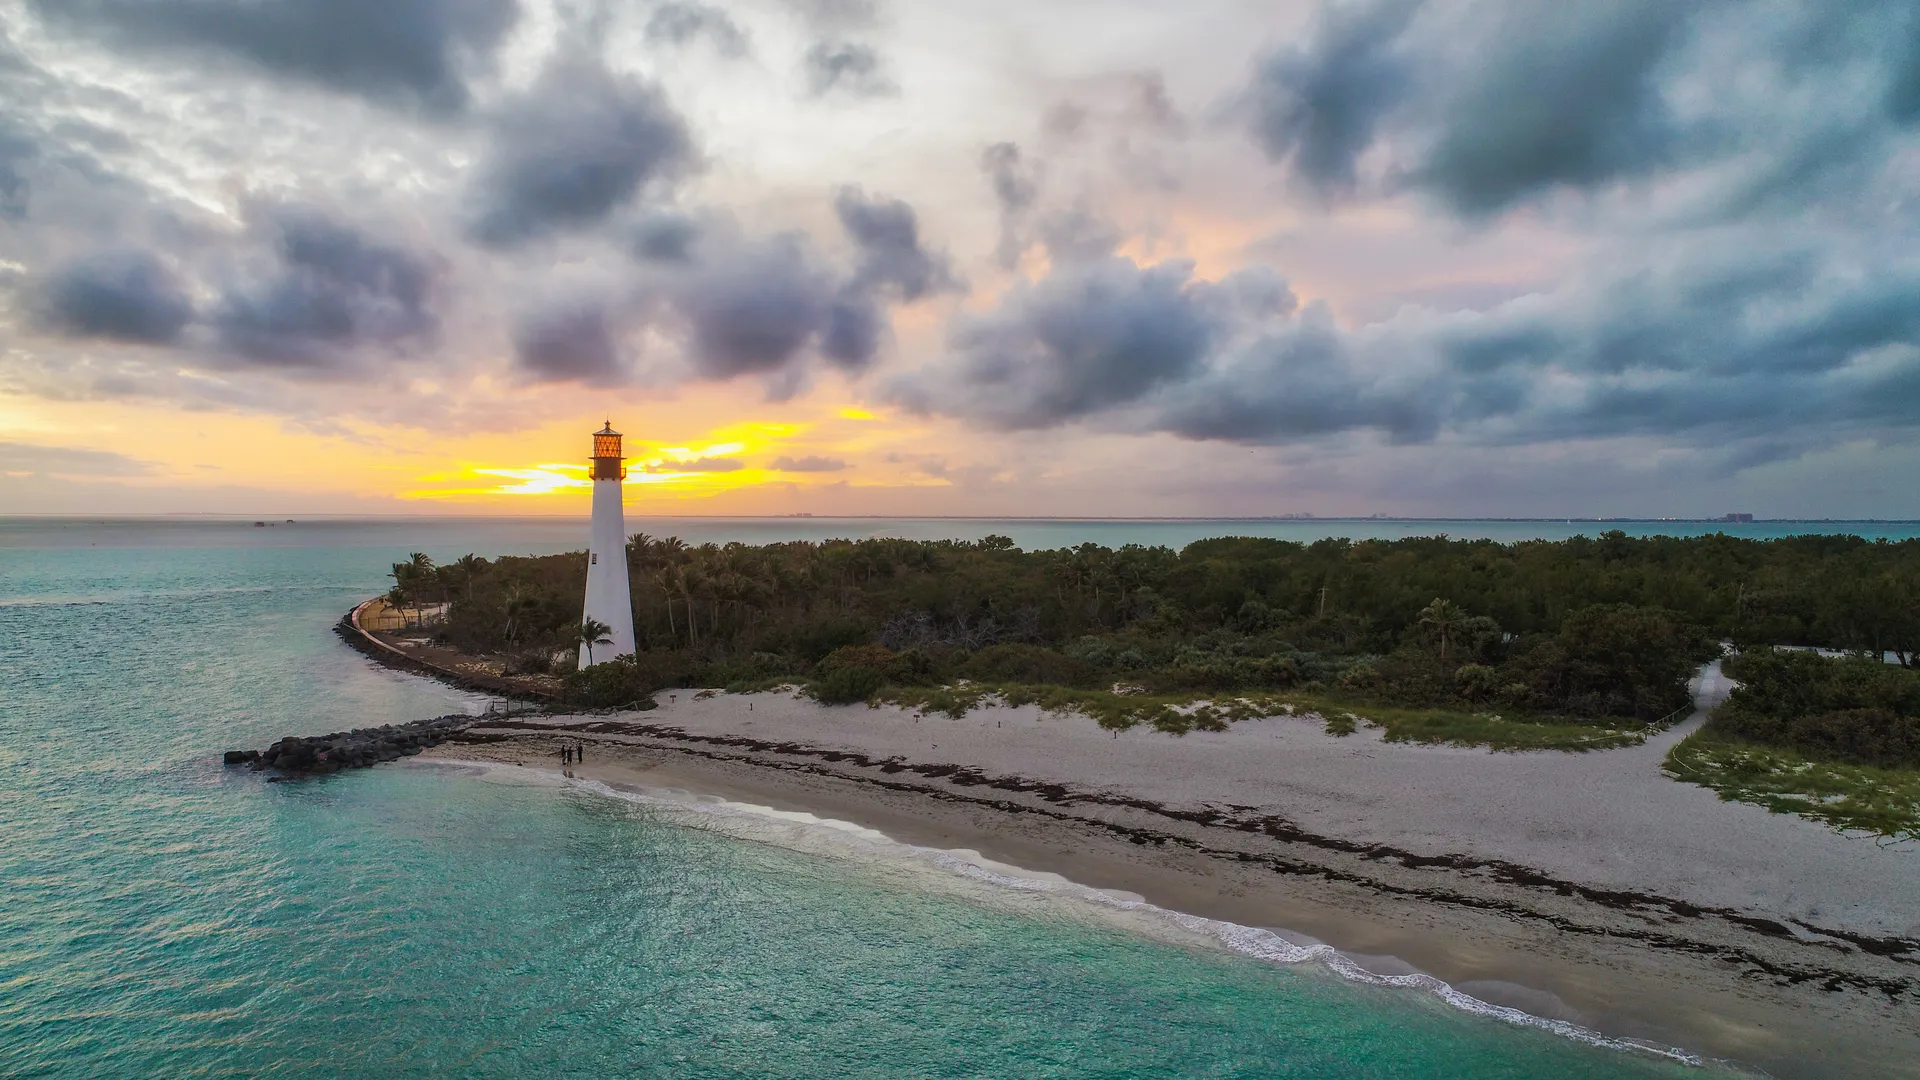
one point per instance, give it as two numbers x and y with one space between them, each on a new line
754 310
1562 96
119 295
1903 90
1088 338
571 342
333 293
682 22
1319 106
1297 381
762 307
854 330
849 67
887 233
665 238
583 142
411 52
806 464
1015 187
1699 348
1488 105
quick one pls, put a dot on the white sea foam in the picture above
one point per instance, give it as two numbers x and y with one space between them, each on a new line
835 837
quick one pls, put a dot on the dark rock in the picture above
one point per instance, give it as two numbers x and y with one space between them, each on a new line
356 749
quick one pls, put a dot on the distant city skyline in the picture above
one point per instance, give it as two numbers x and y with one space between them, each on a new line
1466 258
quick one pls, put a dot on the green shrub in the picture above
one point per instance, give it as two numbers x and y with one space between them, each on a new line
846 685
1852 709
613 683
876 657
1013 663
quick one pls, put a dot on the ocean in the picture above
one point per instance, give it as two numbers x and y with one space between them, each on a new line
165 916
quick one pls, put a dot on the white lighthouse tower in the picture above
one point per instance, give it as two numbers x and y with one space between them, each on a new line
608 600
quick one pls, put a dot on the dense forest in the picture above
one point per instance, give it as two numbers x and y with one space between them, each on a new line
1606 627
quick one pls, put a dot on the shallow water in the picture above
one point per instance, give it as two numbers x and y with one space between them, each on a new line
166 916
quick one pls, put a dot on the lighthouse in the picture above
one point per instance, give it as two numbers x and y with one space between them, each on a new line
608 600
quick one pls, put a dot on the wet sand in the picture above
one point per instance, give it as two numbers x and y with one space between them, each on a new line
1579 887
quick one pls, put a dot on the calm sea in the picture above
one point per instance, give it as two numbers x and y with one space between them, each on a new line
163 916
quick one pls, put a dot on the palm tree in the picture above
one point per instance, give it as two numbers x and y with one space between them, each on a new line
470 566
1444 620
593 632
419 566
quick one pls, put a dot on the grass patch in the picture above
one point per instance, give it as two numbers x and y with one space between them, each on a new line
1495 731
1882 801
1177 714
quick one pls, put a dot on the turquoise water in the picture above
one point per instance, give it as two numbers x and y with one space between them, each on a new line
164 916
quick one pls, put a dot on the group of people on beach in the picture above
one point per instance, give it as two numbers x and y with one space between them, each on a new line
571 755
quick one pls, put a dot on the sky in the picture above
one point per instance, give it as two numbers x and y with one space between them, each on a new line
897 257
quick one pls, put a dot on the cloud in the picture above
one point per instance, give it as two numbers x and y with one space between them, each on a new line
580 144
752 310
1697 348
1088 338
887 233
1149 105
1015 187
665 238
1078 235
681 22
761 307
123 295
808 464
333 292
68 461
849 67
410 52
1490 105
16 149
836 14
1318 107
1558 97
572 342
696 465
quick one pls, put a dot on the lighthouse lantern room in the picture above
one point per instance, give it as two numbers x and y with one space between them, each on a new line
608 598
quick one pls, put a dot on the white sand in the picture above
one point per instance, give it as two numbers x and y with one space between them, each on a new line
1609 818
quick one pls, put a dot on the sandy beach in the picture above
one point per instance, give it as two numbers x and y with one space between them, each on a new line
1582 887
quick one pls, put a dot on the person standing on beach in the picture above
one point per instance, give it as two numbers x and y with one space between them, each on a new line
580 752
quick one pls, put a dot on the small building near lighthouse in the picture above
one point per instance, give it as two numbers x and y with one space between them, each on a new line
609 600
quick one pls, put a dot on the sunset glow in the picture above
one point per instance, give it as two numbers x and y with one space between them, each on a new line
1236 260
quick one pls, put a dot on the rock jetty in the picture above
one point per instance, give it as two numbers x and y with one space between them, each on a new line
354 749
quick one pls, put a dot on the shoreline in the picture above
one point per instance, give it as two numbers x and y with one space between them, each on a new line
1273 945
1791 996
